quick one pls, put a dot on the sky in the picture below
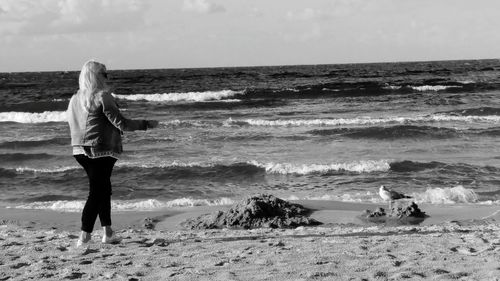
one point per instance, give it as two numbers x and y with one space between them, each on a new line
46 35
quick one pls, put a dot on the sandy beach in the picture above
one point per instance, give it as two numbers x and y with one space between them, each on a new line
455 243
249 140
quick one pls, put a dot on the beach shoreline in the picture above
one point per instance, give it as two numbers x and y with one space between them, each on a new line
40 244
328 212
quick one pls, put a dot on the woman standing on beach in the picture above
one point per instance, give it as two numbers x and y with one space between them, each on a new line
96 126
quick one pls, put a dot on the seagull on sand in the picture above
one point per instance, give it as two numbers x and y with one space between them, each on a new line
390 195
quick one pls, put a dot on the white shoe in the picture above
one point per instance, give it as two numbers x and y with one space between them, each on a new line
113 239
81 244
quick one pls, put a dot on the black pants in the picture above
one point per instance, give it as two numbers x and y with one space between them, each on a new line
99 200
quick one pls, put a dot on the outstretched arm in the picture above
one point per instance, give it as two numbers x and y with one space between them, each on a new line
112 112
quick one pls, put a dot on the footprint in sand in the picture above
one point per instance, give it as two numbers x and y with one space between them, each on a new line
62 248
464 250
13 243
13 258
391 256
439 271
476 239
19 265
73 275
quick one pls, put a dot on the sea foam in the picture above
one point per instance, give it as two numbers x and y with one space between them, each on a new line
362 166
357 197
360 120
23 170
451 195
60 116
423 88
304 169
184 123
434 88
392 87
176 97
31 117
125 205
127 164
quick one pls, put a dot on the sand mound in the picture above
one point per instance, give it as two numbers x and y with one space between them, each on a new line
255 212
404 208
401 212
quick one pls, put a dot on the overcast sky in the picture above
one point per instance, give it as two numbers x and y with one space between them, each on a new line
63 34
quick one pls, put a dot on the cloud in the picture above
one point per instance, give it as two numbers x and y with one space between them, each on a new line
203 7
335 9
309 14
70 16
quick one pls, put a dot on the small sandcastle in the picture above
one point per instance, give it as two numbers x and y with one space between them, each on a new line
259 211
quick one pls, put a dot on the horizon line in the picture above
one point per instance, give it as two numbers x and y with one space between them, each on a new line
270 65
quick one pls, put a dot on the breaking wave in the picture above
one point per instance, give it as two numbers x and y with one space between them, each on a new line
253 167
422 88
60 116
305 169
450 195
360 120
184 123
427 88
23 170
31 117
125 205
189 96
193 169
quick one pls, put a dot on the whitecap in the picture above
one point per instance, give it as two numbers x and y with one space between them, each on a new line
360 120
32 117
304 169
392 87
22 170
125 205
450 195
435 88
188 96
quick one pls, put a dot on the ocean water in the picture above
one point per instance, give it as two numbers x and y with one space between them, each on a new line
328 132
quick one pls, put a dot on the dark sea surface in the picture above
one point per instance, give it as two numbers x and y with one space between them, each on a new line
332 132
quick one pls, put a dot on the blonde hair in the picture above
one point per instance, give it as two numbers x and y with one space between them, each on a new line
91 81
